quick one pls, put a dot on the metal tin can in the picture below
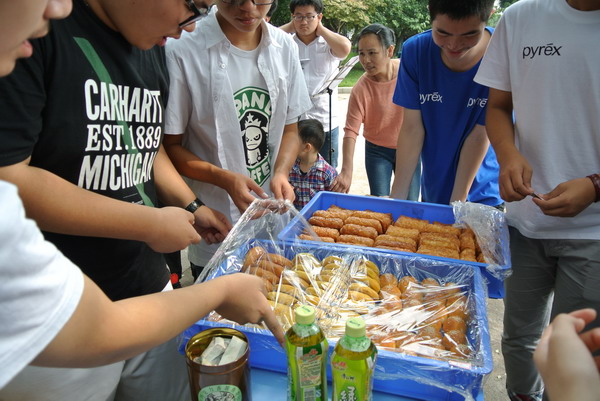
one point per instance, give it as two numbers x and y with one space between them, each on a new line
229 382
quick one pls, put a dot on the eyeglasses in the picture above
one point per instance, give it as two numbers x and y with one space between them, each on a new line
197 13
255 2
308 18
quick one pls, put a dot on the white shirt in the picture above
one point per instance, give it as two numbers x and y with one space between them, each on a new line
545 53
317 64
201 104
39 287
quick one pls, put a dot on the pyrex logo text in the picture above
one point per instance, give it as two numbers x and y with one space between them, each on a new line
430 97
477 101
546 50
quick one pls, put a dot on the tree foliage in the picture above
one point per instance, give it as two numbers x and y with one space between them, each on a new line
406 18
348 17
502 5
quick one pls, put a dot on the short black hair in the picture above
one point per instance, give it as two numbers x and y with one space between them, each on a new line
311 131
317 4
386 36
458 10
272 9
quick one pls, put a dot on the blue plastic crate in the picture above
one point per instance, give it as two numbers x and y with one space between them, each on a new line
396 373
420 210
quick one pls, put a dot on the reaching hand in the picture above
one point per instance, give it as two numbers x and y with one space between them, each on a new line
240 188
564 357
342 182
281 187
515 178
245 302
568 199
172 230
212 225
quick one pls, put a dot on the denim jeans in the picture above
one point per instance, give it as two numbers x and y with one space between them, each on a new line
380 163
334 144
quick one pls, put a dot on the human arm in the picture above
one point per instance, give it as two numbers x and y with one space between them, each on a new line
289 27
564 357
288 152
343 181
472 154
339 44
101 331
238 186
211 224
62 207
515 171
408 150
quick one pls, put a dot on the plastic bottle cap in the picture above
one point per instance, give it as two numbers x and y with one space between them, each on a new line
305 314
355 327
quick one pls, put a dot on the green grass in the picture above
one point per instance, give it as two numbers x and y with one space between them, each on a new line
352 77
354 74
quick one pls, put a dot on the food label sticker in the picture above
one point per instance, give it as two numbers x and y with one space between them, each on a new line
221 392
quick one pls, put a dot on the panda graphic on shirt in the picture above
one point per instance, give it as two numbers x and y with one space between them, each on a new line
254 111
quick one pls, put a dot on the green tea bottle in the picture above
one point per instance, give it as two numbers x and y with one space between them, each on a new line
306 348
353 363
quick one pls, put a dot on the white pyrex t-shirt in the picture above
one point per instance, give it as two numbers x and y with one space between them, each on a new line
545 53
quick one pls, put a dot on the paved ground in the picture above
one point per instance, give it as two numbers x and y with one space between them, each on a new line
494 383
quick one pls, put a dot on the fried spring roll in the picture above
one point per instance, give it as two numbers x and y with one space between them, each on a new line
398 242
467 241
307 237
394 248
411 222
403 232
338 214
437 243
384 218
442 252
354 240
441 228
329 222
326 232
338 209
468 254
441 236
361 221
361 231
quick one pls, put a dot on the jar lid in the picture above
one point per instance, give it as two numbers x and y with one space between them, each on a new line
355 327
305 314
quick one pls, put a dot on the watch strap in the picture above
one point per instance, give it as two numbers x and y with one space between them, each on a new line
194 205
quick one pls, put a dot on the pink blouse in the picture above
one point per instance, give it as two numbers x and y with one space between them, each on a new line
371 104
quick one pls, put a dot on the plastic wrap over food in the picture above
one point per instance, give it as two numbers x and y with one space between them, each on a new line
427 316
491 231
264 219
399 226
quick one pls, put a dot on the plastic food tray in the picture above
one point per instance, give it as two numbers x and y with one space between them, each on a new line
396 373
421 210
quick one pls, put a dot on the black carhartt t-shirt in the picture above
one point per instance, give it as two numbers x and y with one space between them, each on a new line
88 107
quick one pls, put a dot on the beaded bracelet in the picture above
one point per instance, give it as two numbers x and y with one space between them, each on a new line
596 181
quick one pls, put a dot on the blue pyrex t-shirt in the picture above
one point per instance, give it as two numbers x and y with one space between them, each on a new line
451 103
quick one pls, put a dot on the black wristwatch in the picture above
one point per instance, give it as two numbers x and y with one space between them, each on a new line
192 207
